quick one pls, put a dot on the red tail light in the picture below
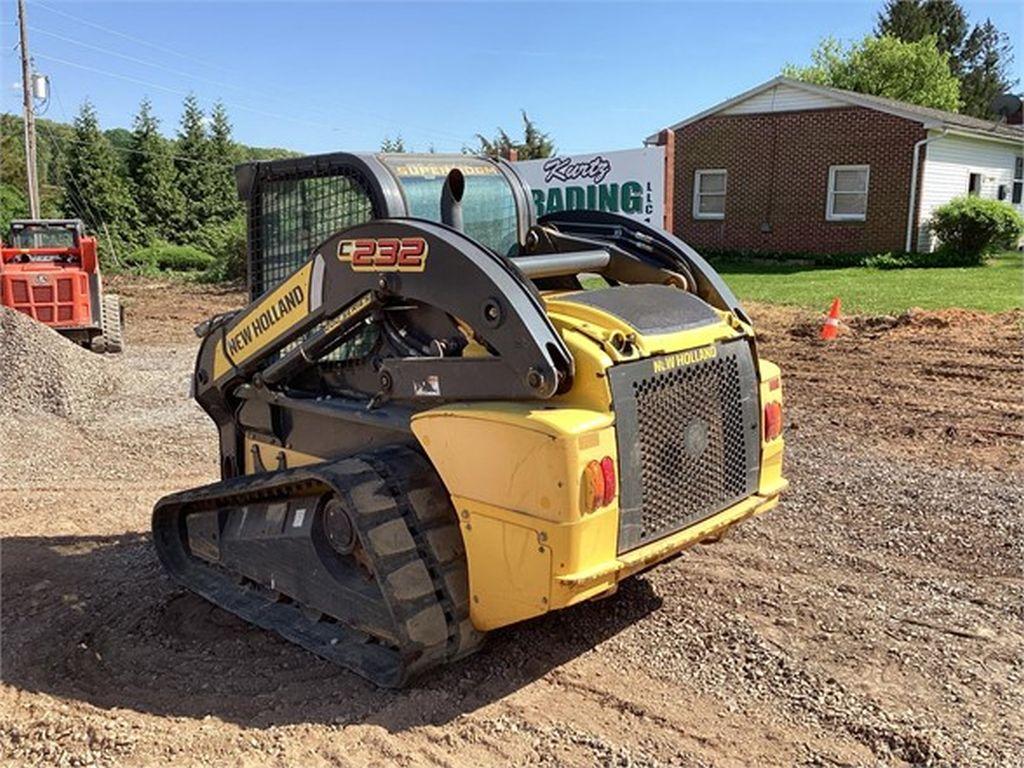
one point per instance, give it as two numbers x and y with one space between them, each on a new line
608 471
599 484
772 421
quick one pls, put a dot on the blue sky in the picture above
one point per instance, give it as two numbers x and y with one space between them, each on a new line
321 76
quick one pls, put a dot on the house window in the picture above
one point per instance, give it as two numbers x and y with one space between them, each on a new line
1018 179
709 193
847 193
974 185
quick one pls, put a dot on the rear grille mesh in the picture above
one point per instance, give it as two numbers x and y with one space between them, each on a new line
691 442
688 441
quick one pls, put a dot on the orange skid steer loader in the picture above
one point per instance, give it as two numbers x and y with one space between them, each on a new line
49 270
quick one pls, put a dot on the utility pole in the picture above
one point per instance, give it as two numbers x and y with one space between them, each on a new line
29 118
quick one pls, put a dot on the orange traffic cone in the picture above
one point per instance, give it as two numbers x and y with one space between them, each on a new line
831 327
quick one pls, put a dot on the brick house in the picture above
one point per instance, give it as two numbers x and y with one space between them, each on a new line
790 167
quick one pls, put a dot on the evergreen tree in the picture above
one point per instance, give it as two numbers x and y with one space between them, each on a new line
151 173
193 166
987 56
224 204
535 144
96 193
392 145
912 20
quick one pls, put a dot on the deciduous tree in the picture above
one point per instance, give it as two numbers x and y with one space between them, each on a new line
980 57
914 72
912 20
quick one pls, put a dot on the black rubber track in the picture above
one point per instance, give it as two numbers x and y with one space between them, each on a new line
409 541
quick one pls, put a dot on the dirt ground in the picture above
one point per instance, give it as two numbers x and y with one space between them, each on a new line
875 618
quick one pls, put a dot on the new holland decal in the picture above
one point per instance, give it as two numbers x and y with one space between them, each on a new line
686 357
269 319
265 320
387 254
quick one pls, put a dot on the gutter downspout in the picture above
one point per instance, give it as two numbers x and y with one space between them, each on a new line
912 208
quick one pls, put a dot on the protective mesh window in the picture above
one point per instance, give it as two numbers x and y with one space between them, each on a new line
294 215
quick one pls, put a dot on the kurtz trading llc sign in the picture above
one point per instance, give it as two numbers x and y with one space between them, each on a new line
628 181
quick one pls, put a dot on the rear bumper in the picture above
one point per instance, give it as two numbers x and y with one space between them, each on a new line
636 560
63 297
521 566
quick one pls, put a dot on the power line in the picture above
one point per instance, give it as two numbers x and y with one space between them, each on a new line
132 38
75 64
74 182
116 148
134 59
178 92
383 120
183 158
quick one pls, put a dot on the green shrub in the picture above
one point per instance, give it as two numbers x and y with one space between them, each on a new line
227 244
166 257
810 259
889 261
943 257
969 228
903 260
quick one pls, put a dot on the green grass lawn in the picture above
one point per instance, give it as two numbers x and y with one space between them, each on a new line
995 287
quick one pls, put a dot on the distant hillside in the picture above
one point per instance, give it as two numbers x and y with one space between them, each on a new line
54 140
143 195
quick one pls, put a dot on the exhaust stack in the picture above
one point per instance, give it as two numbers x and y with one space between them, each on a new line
451 199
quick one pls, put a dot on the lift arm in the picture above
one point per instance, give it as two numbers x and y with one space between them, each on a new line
648 245
354 273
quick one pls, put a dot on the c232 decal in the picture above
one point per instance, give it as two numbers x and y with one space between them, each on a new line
386 254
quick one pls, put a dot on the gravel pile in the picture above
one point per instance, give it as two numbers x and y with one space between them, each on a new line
42 371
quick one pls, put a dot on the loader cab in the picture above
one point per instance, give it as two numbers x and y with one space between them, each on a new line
49 270
45 239
295 204
489 212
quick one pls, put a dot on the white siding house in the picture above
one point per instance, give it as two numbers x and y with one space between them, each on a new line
782 98
954 161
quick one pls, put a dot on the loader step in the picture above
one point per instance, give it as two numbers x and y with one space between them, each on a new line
359 561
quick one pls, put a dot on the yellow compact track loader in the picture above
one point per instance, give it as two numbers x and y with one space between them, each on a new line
440 416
